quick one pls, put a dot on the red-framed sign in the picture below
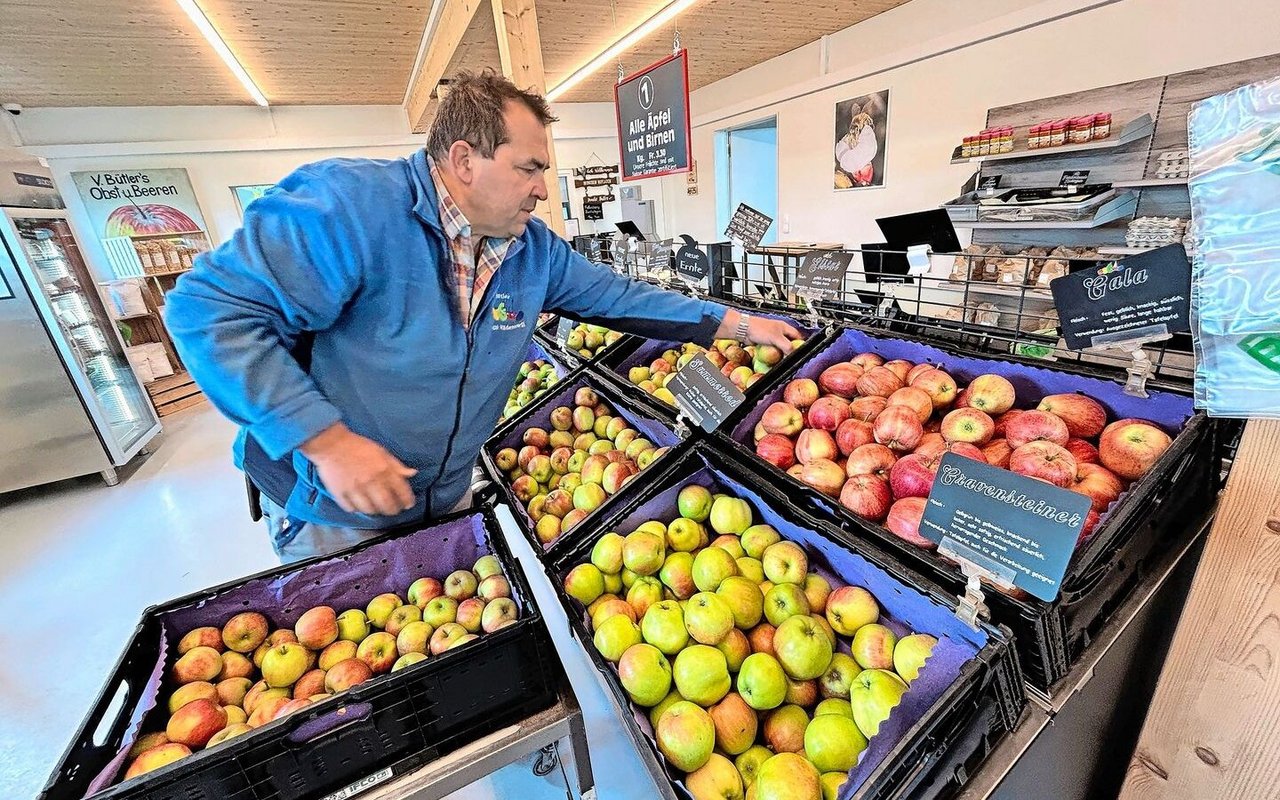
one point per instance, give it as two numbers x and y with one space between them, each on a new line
652 109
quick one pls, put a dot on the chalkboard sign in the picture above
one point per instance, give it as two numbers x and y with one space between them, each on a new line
1147 296
1021 529
989 184
563 330
653 119
748 226
821 273
1073 178
704 394
593 251
692 264
592 210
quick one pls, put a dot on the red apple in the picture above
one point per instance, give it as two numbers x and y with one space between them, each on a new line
783 418
1086 533
868 496
1084 416
1131 449
852 434
840 379
898 428
962 399
1002 421
997 453
940 386
903 521
879 382
899 367
1044 460
991 393
777 450
825 476
815 445
796 470
931 444
871 459
1035 426
867 408
915 399
801 393
866 360
1102 486
970 425
917 370
133 219
827 413
967 450
913 475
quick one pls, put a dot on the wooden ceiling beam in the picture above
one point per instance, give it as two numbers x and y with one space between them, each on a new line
455 17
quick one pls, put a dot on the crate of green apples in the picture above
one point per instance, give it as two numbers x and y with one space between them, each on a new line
580 342
300 680
540 371
755 656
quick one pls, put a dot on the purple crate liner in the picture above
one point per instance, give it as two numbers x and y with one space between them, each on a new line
648 427
653 348
347 581
903 609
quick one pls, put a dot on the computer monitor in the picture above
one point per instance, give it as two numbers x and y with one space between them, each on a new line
932 227
629 228
878 265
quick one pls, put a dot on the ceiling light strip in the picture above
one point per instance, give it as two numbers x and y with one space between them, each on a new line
220 47
662 17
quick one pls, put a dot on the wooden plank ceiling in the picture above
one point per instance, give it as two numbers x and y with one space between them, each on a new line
336 52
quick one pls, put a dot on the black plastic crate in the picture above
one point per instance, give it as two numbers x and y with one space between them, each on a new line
1158 510
538 415
396 721
946 731
615 363
548 335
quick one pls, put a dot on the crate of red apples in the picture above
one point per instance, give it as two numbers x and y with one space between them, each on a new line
861 427
299 681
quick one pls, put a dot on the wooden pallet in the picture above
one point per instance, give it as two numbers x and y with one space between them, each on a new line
174 393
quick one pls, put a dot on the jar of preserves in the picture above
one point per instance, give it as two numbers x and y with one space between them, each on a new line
1101 126
1058 133
984 143
1080 131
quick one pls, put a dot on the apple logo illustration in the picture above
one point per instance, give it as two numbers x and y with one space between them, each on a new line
148 218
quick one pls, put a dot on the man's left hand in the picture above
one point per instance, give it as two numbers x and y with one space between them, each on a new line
760 330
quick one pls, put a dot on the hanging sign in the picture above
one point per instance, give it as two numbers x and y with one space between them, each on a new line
653 119
585 182
1147 296
704 394
692 264
821 273
584 172
748 226
592 210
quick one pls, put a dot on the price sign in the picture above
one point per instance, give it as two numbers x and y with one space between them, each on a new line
563 330
1073 179
1143 297
748 226
821 273
703 394
653 119
692 264
989 184
1020 529
592 210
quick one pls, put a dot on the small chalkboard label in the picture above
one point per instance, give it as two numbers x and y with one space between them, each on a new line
692 264
704 394
563 330
1014 526
592 210
1147 296
1073 179
821 273
748 226
989 184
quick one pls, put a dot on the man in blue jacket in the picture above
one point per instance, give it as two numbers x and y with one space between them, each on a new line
348 327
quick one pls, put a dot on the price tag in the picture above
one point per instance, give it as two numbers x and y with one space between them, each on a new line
563 330
1141 298
989 184
703 394
821 273
748 226
692 264
1073 179
1016 528
918 259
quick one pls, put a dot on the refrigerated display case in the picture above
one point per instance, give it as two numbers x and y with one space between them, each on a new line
69 402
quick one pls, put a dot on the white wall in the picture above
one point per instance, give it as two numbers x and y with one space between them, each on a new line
991 54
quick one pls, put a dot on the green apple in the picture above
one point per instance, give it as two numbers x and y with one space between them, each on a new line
751 569
730 515
761 682
731 543
835 682
677 575
414 637
788 776
486 566
711 566
756 539
628 578
584 583
832 743
663 627
645 673
910 654
439 611
873 645
353 626
615 636
851 607
284 664
708 618
408 659
684 535
785 562
701 674
749 763
873 696
718 778
744 599
831 783
644 593
834 705
643 552
612 583
783 602
694 502
380 608
686 736
589 496
655 713
607 553
802 648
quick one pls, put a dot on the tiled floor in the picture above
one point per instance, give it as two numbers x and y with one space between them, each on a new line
80 561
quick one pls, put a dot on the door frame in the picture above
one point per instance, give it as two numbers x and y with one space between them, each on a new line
722 138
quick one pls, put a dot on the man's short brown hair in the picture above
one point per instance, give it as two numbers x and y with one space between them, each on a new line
472 111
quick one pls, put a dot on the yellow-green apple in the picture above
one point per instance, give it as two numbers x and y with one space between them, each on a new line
997 452
607 606
729 515
196 722
407 660
198 664
677 575
761 682
940 386
258 653
663 627
207 636
915 399
1085 417
486 566
868 496
701 674
756 539
413 638
640 446
749 763
470 613
231 691
444 636
903 521
761 636
378 651
353 625
852 434
879 382
783 601
686 735
1034 426
708 619
717 779
694 502
317 628
736 648
645 673
615 636
284 664
1130 447
506 459
742 596
834 705
897 428
735 724
400 617
147 741
311 683
802 693
840 380
195 690
235 665
785 562
345 674
232 730
499 613
159 756
460 585
440 610
851 607
644 551
971 425
991 393
1102 486
493 587
615 427
607 553
866 409
731 543
835 682
1044 460
816 590
739 376
815 445
831 783
684 535
913 475
827 414
379 609
777 449
751 568
245 631
826 627
656 712
1084 452
782 418
872 646
584 419
643 593
803 648
784 729
577 461
547 528
589 496
340 650
910 653
711 566
235 714
873 696
832 743
584 583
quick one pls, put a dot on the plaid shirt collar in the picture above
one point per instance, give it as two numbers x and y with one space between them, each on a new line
471 271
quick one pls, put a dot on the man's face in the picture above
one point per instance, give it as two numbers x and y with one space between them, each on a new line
504 190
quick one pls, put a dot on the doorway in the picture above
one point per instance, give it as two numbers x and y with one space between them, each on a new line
747 172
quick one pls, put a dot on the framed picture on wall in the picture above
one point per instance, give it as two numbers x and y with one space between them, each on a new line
247 194
861 139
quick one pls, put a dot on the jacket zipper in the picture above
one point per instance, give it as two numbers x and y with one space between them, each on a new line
457 415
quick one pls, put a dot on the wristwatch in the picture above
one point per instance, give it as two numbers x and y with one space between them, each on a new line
744 322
